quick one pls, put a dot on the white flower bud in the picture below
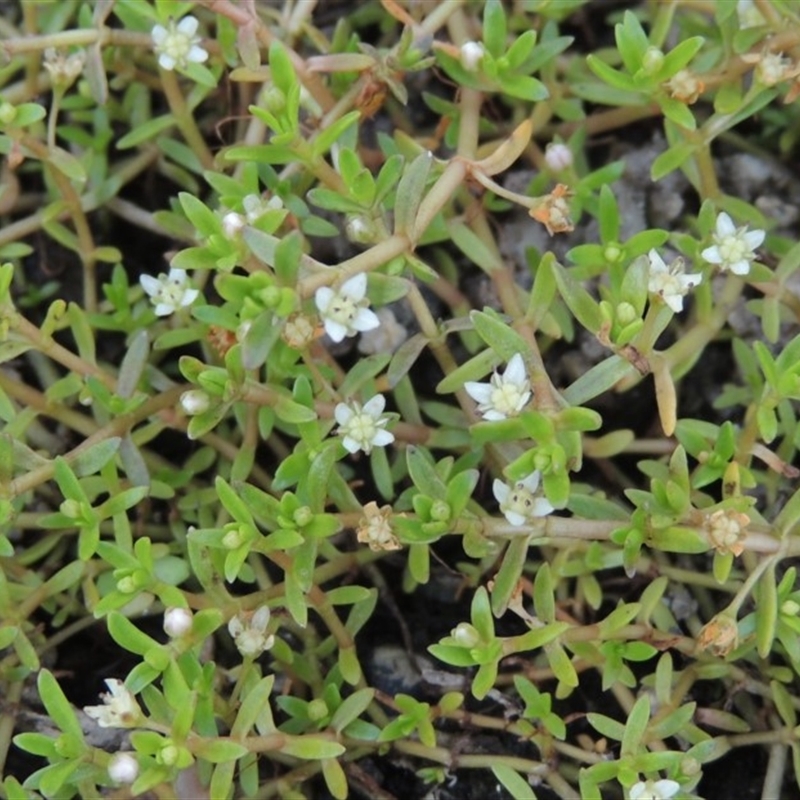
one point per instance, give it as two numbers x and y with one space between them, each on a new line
558 156
194 402
177 622
123 768
232 223
471 55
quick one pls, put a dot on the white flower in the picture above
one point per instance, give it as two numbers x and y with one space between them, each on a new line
362 428
471 55
177 44
344 312
558 156
123 768
733 247
749 15
249 632
120 709
654 790
169 292
519 503
669 282
505 395
177 622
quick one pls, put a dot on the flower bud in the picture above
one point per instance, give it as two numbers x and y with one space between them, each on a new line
626 313
317 710
274 100
177 622
653 60
440 511
302 516
558 157
471 55
123 768
71 508
359 229
168 755
612 253
233 538
195 402
232 223
790 608
8 113
466 635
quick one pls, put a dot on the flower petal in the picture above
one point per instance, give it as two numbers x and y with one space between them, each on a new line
335 330
493 415
375 405
515 371
189 296
356 287
754 238
500 490
343 413
740 267
712 255
382 438
657 263
158 34
480 392
542 507
167 62
514 517
150 284
164 309
197 54
531 482
725 226
674 301
323 297
350 444
365 320
188 25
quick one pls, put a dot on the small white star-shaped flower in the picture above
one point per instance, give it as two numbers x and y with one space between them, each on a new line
505 395
362 427
177 45
733 247
169 292
669 282
654 790
519 503
249 632
344 311
119 709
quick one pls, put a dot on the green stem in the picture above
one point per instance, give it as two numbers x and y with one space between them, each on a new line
118 427
184 118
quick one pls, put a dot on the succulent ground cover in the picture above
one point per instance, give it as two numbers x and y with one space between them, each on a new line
398 399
